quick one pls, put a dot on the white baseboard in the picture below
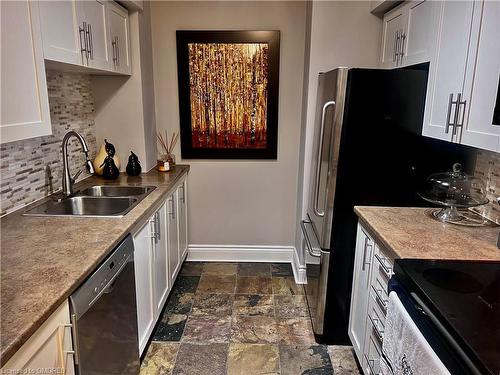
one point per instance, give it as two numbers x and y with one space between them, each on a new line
299 270
240 253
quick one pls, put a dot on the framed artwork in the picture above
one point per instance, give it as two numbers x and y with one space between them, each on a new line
228 94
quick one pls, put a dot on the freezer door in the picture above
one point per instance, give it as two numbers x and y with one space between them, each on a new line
317 277
328 128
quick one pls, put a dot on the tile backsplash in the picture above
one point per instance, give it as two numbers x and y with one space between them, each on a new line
31 169
488 169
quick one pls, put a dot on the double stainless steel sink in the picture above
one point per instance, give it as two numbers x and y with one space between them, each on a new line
95 201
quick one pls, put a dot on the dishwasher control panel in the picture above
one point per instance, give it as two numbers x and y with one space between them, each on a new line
103 277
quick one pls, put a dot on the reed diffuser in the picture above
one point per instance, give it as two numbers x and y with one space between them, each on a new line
166 160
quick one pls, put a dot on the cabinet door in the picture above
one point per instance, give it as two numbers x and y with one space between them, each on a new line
420 31
162 281
24 104
143 266
60 32
182 210
448 67
93 13
119 38
394 25
174 260
481 84
48 351
360 291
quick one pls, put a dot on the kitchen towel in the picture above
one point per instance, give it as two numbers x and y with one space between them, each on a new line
404 346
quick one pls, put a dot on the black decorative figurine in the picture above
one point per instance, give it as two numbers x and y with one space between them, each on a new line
110 148
133 166
110 171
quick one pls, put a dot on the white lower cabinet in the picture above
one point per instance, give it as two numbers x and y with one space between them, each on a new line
143 266
360 290
48 351
372 271
174 258
182 210
158 260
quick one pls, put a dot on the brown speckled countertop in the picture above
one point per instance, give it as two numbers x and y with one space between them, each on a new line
44 259
412 233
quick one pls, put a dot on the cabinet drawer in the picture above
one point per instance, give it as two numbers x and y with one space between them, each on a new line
382 266
376 319
372 357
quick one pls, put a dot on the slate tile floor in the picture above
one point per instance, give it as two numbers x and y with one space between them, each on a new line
248 319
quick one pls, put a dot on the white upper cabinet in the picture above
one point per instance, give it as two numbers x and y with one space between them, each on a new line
420 32
80 33
464 75
394 24
482 80
24 101
408 34
447 68
61 40
91 15
118 38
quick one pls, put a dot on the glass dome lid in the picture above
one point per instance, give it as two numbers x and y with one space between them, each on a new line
453 190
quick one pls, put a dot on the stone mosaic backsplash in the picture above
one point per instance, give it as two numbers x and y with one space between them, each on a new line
32 169
488 169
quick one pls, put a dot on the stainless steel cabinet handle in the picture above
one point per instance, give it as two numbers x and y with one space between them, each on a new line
157 225
387 270
366 246
117 51
378 331
394 53
318 157
182 197
403 39
74 336
91 42
381 301
85 48
172 211
83 42
152 222
459 124
396 48
448 115
312 246
113 45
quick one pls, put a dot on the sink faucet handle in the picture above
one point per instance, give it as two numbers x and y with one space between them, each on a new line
73 179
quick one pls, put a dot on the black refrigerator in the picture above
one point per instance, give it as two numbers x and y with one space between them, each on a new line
368 150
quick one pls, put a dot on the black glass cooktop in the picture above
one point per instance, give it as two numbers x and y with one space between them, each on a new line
465 296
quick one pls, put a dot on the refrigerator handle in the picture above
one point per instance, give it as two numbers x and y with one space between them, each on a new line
318 157
312 244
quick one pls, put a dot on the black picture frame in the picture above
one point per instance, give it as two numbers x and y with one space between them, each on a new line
272 39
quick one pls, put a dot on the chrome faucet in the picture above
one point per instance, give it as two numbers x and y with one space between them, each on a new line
68 181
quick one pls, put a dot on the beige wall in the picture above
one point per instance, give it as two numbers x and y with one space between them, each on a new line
342 33
124 106
237 202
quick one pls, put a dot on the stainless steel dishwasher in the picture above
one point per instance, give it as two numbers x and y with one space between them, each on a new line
104 317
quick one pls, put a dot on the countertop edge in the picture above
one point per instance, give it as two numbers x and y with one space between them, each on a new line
8 351
375 233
